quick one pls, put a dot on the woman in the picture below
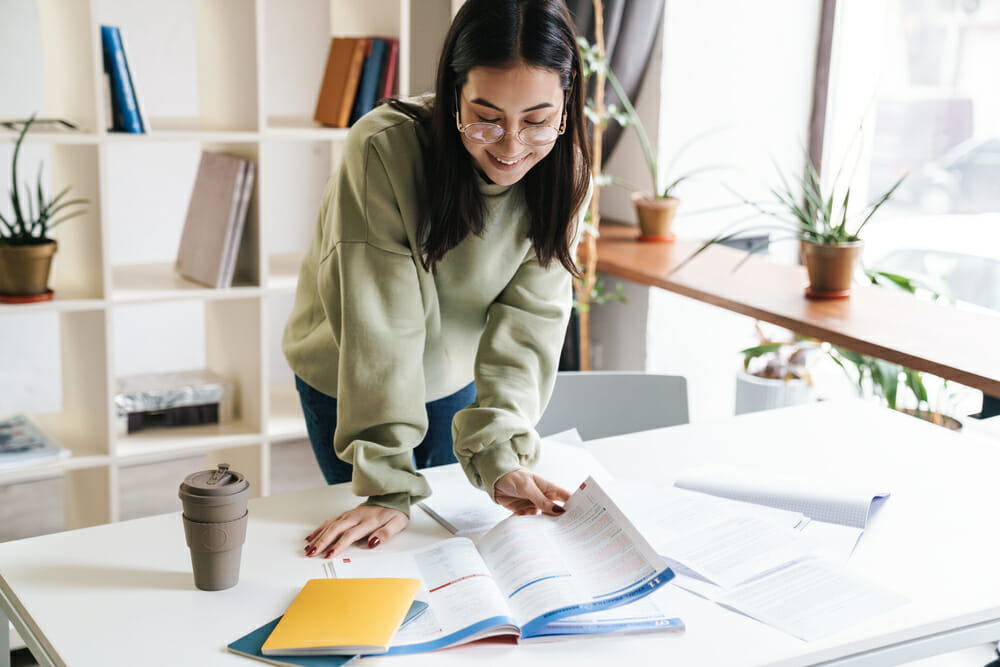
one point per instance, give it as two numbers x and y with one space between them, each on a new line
443 255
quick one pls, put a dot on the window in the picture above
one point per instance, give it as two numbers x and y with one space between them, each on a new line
919 77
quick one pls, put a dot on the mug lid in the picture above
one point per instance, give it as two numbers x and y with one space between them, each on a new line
214 483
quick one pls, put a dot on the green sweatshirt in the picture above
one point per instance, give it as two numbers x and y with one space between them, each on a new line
374 329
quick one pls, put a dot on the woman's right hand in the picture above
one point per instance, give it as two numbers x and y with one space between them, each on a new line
370 523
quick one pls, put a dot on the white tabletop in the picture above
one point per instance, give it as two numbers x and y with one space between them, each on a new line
122 594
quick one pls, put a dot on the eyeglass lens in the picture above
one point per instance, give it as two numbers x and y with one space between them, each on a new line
491 133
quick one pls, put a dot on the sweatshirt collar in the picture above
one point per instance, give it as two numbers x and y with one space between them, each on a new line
489 189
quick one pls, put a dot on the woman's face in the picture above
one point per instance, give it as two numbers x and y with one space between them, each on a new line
513 98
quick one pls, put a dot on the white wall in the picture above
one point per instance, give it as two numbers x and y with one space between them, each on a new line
741 72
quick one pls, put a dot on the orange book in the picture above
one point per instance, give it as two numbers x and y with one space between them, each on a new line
340 80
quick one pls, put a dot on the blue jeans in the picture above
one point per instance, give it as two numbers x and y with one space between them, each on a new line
436 448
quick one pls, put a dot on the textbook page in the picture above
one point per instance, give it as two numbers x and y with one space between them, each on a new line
811 600
463 603
465 510
845 502
587 559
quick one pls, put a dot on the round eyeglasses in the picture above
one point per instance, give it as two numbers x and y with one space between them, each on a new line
491 133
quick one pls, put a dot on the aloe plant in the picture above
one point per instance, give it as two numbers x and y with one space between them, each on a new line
806 212
33 215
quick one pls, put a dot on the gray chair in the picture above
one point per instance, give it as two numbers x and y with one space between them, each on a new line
600 404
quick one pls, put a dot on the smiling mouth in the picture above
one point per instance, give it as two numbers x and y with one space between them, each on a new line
508 163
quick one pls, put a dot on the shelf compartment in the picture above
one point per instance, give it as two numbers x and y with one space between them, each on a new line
146 217
77 265
285 420
202 66
296 44
222 336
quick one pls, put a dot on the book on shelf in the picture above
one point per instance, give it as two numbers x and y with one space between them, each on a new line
216 217
125 107
22 443
387 75
341 76
140 108
587 570
343 617
250 645
364 98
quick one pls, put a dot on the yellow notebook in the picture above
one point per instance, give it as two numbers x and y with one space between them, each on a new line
342 616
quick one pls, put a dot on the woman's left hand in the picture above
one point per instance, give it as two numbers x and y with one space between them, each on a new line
524 492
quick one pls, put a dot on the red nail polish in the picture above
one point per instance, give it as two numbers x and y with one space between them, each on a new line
558 509
374 542
310 551
328 553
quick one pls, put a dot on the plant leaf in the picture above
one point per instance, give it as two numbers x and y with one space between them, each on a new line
879 203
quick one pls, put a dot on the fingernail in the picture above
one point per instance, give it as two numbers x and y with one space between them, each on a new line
328 553
374 542
310 551
558 509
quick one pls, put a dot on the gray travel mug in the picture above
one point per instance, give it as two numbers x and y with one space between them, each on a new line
215 525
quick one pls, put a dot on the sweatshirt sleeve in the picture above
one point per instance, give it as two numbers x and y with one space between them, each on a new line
516 365
369 287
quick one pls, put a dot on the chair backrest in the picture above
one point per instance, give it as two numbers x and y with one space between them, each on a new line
600 404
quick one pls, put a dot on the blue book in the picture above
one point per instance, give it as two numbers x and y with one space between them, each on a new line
364 99
250 645
123 99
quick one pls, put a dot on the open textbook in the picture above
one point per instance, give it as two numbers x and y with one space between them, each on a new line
585 571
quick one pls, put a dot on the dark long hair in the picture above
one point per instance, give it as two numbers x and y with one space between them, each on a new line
505 33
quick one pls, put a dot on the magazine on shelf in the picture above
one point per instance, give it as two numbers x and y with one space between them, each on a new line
22 443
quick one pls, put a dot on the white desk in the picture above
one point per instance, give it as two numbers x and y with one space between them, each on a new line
122 594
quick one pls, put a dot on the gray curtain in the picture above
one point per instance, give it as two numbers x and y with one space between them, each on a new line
630 28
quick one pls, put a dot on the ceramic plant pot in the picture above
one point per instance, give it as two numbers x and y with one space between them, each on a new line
656 216
24 272
831 268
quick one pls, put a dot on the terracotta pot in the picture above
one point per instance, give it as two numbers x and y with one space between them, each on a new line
935 418
24 270
655 216
830 267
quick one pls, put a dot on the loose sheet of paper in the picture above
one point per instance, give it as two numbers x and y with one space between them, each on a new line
723 541
811 599
465 510
839 501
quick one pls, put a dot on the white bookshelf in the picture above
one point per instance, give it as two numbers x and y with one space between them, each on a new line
256 70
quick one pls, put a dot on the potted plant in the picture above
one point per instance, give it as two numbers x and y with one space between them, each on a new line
821 220
776 372
655 209
26 249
